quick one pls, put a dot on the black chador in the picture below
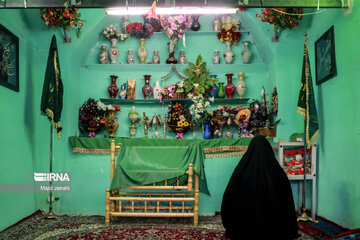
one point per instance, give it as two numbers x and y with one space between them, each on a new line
258 201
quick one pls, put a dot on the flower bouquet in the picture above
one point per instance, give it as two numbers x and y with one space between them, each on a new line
229 34
179 118
281 19
110 122
242 119
140 30
65 18
90 115
174 27
111 32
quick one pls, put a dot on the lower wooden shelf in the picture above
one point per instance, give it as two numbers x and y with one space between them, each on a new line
119 101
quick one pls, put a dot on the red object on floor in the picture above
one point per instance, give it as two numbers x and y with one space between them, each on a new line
349 235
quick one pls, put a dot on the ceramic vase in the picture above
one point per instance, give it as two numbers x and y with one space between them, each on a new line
246 54
156 57
215 89
216 23
207 131
240 85
142 51
147 90
230 87
228 54
195 25
130 57
171 45
182 58
216 57
103 56
122 93
112 125
113 89
221 92
125 23
157 90
113 51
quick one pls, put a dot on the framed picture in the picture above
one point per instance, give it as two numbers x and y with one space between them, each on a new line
9 59
325 63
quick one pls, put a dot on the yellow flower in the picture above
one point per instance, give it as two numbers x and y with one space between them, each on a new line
180 124
186 124
226 39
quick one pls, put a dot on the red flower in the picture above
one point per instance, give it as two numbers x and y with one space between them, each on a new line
150 27
67 10
72 23
263 20
80 24
257 15
117 108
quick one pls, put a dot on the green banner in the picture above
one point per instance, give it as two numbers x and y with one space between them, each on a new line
52 94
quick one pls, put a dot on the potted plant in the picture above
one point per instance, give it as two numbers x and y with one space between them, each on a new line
281 19
198 80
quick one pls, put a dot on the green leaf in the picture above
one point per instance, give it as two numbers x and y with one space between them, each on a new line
78 32
192 66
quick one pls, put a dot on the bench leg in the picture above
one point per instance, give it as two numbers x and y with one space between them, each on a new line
107 207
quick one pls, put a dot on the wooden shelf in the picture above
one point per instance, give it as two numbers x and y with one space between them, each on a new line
214 68
202 32
217 101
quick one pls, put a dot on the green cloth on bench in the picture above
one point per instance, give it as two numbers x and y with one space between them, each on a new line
144 161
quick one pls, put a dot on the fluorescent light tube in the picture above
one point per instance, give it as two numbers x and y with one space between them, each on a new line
169 11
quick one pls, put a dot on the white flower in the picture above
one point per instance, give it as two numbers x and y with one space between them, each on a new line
197 116
212 99
181 84
207 103
199 105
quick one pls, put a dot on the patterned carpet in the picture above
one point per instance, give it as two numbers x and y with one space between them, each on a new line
75 227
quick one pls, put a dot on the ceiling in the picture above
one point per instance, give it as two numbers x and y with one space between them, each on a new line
162 3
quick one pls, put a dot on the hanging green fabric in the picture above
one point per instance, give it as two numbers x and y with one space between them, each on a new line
306 101
52 95
142 162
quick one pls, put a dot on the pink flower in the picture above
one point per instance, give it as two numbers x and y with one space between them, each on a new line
164 21
91 134
171 20
180 19
170 32
173 26
180 35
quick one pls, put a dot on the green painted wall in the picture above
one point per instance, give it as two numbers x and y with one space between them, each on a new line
18 129
337 99
90 173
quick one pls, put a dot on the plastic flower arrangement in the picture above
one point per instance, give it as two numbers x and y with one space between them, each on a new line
90 115
111 32
199 106
140 30
179 118
175 28
66 18
281 18
198 78
229 30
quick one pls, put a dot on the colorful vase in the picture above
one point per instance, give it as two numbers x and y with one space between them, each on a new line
228 54
147 90
113 51
230 87
112 124
246 54
221 92
103 56
240 85
122 93
113 89
130 57
142 51
207 131
215 89
157 90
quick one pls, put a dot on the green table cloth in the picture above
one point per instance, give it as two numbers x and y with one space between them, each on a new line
144 161
212 147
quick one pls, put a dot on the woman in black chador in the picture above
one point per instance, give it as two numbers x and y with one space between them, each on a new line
258 201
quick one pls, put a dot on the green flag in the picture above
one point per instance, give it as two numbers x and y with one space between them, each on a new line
52 95
306 103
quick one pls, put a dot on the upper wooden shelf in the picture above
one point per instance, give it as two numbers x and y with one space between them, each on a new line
214 68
